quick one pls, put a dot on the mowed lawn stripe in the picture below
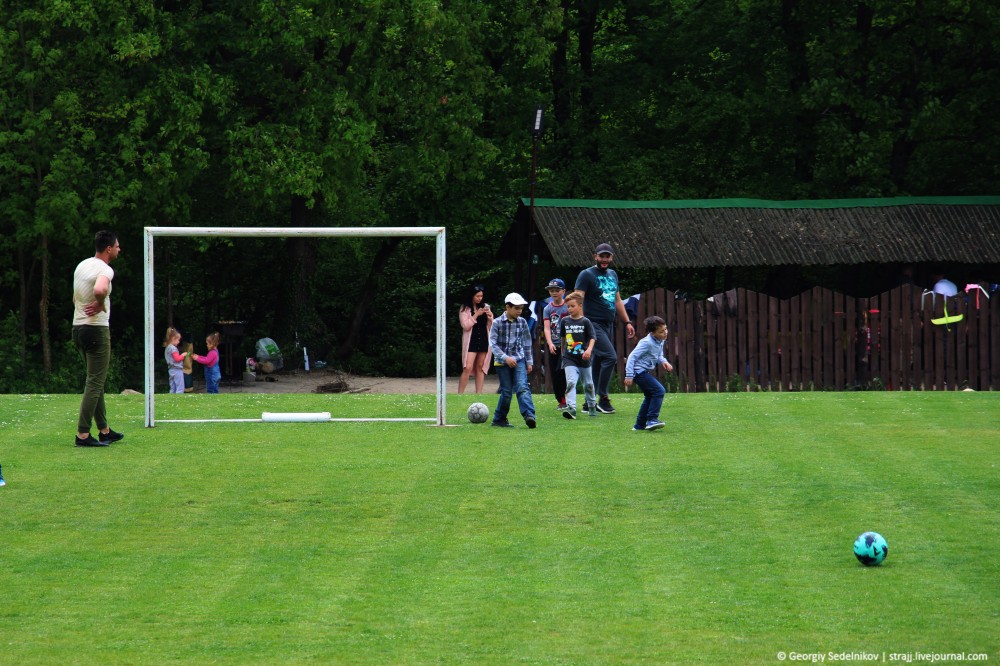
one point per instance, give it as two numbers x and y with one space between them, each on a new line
721 539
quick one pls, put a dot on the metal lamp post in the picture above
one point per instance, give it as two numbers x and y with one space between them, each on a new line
536 132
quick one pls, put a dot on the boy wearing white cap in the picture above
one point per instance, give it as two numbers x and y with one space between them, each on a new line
510 342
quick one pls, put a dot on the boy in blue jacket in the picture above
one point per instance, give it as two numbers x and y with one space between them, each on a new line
641 362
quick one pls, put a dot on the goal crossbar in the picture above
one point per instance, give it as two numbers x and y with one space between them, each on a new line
150 233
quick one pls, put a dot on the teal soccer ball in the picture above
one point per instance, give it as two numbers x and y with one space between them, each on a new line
870 549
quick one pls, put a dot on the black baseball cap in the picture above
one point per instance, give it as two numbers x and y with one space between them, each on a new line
604 247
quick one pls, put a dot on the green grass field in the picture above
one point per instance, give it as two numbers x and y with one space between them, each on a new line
723 539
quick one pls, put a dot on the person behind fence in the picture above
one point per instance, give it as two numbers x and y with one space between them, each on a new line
632 307
530 315
510 342
175 360
554 311
578 340
211 362
602 302
943 285
188 367
648 353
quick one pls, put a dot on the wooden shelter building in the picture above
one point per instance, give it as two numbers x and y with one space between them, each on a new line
818 338
756 232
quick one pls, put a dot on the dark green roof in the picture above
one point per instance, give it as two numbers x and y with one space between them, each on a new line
756 232
765 203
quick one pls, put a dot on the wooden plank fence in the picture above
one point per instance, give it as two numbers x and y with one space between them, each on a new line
823 340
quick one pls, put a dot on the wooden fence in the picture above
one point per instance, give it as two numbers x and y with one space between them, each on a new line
822 340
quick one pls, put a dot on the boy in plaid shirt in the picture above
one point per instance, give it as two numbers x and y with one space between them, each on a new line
510 342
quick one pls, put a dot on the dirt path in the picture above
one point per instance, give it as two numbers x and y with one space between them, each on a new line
299 381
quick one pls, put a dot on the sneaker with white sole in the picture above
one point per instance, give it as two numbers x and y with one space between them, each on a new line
604 405
654 425
569 413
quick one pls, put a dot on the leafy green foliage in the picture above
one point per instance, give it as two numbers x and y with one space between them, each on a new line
126 114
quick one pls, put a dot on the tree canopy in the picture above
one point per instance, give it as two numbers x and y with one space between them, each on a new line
128 113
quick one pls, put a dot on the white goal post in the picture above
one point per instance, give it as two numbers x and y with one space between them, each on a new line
288 232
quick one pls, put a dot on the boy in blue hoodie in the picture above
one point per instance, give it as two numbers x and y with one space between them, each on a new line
641 362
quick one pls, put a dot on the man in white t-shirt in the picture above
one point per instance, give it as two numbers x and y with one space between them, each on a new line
92 335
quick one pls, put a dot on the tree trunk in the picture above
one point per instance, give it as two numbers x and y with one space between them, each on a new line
43 308
561 95
22 310
363 303
170 286
303 258
590 120
794 34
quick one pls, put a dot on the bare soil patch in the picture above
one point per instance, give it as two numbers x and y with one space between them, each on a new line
333 381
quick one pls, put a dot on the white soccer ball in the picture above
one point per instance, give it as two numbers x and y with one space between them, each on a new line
478 412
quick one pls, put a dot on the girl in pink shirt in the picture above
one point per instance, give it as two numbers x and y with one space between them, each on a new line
211 363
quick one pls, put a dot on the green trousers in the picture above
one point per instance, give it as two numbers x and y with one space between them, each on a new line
94 343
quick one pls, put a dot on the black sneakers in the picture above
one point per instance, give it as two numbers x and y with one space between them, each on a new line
104 439
507 424
110 436
90 441
604 405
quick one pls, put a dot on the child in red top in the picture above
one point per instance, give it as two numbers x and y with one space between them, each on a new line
211 363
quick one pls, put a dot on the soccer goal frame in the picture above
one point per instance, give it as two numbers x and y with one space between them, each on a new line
150 233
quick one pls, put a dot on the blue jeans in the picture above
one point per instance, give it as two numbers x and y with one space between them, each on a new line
514 380
212 377
649 410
